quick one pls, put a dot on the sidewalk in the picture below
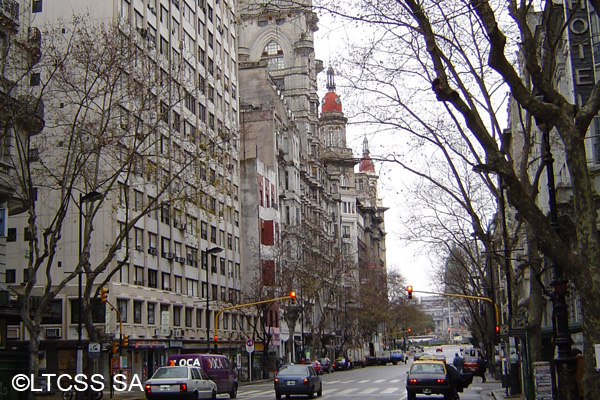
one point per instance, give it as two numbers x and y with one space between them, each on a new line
492 390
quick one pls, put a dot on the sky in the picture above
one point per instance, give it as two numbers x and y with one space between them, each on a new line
410 259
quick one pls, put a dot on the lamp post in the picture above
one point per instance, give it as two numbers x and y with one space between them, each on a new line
87 198
212 250
564 362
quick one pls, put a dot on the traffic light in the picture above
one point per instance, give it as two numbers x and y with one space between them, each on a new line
409 330
125 340
293 297
115 347
216 338
104 295
409 290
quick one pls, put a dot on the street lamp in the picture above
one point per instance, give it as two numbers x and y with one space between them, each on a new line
564 362
212 250
87 198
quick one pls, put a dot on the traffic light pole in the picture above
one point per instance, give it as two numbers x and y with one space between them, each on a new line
291 296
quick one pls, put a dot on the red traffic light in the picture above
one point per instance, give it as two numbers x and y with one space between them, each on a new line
216 338
497 329
409 330
409 289
293 297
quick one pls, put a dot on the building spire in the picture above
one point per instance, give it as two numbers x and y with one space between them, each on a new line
330 79
365 147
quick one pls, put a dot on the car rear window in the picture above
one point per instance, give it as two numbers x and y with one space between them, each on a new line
293 370
425 368
171 372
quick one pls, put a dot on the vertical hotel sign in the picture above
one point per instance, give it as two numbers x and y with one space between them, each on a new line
580 43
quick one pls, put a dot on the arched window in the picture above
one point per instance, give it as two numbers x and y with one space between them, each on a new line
273 54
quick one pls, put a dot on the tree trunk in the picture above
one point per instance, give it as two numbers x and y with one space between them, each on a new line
34 346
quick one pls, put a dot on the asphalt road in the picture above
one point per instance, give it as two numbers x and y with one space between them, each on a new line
381 382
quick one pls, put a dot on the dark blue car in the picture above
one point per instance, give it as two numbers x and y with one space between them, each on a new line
298 379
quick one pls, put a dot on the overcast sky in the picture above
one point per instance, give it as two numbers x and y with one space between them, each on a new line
409 259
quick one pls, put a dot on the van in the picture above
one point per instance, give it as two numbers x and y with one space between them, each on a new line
217 367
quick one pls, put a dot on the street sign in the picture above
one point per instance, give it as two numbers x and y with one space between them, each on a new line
94 348
250 345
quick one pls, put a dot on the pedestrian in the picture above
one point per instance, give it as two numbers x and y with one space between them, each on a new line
458 362
481 367
455 381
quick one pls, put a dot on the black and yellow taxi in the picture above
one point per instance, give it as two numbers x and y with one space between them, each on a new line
430 376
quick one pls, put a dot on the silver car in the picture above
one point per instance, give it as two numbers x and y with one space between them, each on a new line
181 382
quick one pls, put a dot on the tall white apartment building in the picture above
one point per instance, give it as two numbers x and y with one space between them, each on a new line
185 255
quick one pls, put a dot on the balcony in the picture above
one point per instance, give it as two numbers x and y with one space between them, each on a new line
9 14
304 47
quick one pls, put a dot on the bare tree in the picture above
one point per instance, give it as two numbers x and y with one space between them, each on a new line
462 60
112 124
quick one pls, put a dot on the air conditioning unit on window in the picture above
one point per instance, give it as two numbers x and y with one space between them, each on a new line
168 256
139 247
178 333
156 332
53 333
153 251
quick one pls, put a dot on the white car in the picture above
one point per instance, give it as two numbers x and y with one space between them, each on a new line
181 382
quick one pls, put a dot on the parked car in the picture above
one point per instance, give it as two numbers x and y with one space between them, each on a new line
359 362
298 379
397 356
183 382
371 360
430 376
216 366
317 366
341 364
327 364
439 350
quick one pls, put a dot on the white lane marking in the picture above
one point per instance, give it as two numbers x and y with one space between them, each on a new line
389 390
367 391
347 391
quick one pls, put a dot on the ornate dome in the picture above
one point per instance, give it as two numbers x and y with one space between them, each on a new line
331 101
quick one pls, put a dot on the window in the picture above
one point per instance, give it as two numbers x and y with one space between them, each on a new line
273 54
11 276
138 203
166 281
204 230
152 278
213 234
11 235
213 263
177 315
34 79
222 265
36 7
151 315
137 312
188 317
122 307
199 313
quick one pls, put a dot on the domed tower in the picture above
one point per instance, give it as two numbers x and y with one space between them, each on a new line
333 122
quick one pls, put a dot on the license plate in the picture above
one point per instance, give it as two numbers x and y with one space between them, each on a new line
165 387
291 383
427 391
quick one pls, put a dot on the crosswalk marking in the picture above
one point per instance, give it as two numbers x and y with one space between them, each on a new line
389 390
379 381
395 381
364 381
369 390
347 391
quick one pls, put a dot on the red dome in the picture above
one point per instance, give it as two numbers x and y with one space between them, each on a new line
366 165
332 102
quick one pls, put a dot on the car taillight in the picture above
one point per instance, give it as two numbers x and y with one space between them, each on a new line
333 365
148 388
441 381
183 387
305 381
413 380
